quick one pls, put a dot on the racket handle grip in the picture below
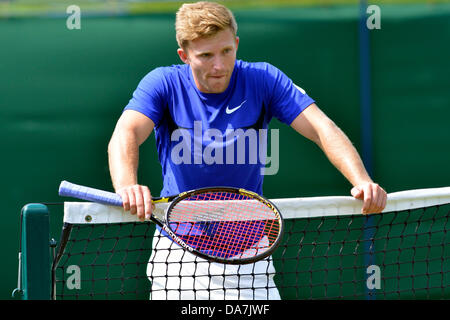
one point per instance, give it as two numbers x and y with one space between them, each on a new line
67 189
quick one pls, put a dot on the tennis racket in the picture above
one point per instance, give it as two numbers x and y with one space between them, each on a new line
220 224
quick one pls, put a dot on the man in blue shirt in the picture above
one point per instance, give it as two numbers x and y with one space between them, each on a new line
207 112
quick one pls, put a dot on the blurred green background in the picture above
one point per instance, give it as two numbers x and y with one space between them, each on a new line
62 91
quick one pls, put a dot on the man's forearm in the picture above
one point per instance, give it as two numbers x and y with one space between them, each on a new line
132 129
342 154
123 156
316 126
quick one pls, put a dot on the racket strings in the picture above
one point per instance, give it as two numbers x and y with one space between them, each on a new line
225 224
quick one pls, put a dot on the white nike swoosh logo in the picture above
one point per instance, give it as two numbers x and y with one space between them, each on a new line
230 111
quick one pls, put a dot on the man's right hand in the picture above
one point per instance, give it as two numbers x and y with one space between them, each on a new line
138 200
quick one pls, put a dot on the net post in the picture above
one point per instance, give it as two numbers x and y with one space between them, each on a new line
35 252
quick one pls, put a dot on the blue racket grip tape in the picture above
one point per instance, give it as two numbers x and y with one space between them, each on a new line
68 189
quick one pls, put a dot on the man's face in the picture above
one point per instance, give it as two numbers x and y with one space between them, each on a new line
212 60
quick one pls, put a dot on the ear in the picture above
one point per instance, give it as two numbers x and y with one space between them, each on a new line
237 43
183 55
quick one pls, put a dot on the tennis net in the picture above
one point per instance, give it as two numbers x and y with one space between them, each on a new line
329 251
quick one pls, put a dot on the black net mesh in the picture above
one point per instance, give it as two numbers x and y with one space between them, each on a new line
398 255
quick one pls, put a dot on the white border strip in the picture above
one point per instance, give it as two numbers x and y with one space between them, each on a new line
89 212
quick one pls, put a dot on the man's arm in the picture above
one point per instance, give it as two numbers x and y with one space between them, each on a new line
132 129
316 126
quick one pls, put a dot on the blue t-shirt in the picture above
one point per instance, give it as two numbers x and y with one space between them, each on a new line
210 139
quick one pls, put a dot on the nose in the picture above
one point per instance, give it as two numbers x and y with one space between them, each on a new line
218 64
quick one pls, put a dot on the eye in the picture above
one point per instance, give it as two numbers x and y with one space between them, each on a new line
205 55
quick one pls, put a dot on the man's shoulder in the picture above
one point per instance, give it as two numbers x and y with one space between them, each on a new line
259 70
163 76
248 66
168 71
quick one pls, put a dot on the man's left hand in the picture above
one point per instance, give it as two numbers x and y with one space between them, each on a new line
374 197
